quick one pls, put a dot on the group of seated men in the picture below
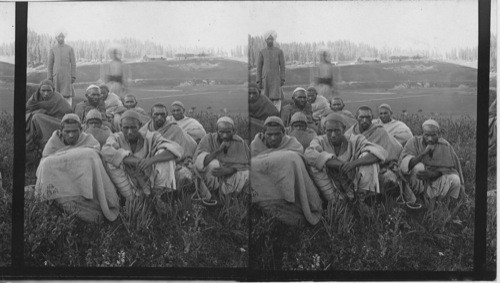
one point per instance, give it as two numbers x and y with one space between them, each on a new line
107 147
310 156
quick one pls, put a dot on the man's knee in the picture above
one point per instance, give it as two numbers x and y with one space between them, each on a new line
418 168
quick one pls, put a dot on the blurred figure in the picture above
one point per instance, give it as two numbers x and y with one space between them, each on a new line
271 70
61 67
114 77
324 78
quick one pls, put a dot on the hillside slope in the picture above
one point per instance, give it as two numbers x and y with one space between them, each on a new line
169 72
391 73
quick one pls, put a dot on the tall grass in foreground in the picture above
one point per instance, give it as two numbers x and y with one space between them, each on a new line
382 235
168 230
6 161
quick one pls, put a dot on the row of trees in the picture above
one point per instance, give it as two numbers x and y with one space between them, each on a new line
344 50
97 51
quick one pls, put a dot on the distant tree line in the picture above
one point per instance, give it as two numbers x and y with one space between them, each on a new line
345 50
96 51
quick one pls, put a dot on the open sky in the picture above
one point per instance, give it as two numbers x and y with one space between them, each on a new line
7 22
419 24
204 24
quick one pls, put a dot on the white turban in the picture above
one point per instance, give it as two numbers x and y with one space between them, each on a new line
63 31
270 33
297 90
430 122
93 86
225 119
178 103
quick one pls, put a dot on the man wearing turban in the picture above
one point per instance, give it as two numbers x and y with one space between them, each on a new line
395 128
299 104
189 125
300 130
431 166
271 70
281 184
222 161
343 165
259 108
94 126
140 162
61 67
93 100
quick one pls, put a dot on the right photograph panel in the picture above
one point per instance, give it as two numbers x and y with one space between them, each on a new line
363 135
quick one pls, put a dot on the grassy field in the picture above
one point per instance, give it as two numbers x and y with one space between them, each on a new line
384 235
6 161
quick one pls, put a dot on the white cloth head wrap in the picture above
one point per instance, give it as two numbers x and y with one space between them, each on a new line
63 31
298 89
225 119
178 103
431 122
93 114
71 116
274 119
93 86
270 33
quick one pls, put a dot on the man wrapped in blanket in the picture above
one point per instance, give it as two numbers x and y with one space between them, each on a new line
343 164
140 161
222 161
72 172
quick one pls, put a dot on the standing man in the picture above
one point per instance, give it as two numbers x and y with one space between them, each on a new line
271 70
61 68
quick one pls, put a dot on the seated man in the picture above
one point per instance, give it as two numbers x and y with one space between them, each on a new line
129 103
337 106
111 100
318 103
140 162
431 165
95 127
280 180
299 129
259 108
187 124
299 104
395 128
222 160
72 173
44 111
376 134
93 101
344 164
169 130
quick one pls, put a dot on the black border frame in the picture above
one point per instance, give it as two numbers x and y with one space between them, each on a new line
18 271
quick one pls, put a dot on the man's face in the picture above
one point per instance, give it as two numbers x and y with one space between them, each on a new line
311 96
46 92
71 133
273 136
94 123
253 94
335 132
299 126
159 115
431 134
364 118
384 115
270 41
336 105
129 102
104 93
300 99
177 112
130 128
60 38
225 131
94 96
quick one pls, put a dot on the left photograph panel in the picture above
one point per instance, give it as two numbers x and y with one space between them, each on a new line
7 50
136 135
